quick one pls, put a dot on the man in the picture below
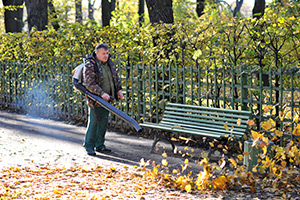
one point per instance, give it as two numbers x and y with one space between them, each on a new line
99 77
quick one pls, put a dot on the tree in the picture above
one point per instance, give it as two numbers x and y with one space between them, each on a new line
78 11
141 11
91 9
237 9
107 8
53 15
200 7
37 14
259 8
13 18
160 11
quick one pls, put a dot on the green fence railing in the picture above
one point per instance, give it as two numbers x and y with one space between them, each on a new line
47 90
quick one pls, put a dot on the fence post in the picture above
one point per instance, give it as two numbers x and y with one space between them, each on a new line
244 90
140 91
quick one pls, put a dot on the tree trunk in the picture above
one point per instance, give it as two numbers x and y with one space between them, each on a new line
78 10
141 11
160 11
37 14
91 10
54 21
237 9
200 7
107 8
259 9
13 19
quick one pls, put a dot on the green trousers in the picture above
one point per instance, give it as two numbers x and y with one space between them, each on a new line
95 133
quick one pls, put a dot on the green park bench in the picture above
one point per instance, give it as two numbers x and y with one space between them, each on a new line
199 121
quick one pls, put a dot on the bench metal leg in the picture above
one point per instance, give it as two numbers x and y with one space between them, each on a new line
173 146
157 138
209 151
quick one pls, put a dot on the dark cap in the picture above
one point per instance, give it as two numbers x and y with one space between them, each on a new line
101 45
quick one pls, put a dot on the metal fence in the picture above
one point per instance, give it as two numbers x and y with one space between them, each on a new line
46 90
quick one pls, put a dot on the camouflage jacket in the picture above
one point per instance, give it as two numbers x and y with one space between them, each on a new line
92 77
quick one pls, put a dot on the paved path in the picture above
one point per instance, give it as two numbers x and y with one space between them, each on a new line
27 140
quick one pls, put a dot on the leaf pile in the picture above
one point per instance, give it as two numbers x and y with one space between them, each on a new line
82 182
75 182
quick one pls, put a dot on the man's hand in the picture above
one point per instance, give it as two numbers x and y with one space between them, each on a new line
106 97
120 95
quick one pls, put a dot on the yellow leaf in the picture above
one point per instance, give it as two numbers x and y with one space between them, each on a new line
239 121
281 20
240 156
278 133
188 188
197 54
283 164
281 117
164 155
56 191
267 125
203 162
265 109
296 119
174 171
255 134
233 162
296 132
292 18
226 127
220 183
186 161
254 169
265 149
250 122
164 162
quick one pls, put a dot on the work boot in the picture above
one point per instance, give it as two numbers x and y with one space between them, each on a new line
91 153
103 150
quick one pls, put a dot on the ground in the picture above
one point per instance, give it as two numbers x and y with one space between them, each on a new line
46 147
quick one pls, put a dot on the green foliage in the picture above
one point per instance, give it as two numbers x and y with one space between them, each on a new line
190 41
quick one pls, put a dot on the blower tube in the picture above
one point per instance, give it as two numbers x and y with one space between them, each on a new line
107 105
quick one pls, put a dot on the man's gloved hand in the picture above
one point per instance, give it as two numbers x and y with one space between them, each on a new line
120 95
106 97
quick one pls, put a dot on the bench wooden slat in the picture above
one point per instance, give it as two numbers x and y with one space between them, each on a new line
176 129
242 112
216 119
203 127
208 123
206 113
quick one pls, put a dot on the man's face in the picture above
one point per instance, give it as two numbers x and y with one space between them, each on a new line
102 55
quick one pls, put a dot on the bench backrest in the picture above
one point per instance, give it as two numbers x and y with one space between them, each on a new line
206 120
